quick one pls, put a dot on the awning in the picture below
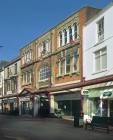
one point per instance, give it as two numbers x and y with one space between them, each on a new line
67 96
8 100
94 93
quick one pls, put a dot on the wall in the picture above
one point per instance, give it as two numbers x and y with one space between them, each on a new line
90 44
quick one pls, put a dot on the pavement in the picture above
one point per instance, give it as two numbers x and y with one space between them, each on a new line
28 128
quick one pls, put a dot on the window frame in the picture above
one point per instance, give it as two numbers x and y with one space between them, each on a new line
101 52
42 71
100 29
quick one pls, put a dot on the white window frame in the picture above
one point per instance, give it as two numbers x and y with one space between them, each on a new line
102 51
67 55
73 60
44 72
41 48
100 31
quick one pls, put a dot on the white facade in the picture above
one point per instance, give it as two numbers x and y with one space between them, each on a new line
10 71
97 63
91 44
1 83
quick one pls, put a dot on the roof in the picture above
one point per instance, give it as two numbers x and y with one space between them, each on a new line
13 61
99 13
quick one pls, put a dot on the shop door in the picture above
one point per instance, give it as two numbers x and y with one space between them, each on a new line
26 108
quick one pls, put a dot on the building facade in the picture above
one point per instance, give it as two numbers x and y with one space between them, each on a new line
1 86
45 78
11 86
97 66
67 63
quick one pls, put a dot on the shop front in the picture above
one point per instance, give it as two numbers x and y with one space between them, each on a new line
98 102
10 105
26 103
68 102
33 103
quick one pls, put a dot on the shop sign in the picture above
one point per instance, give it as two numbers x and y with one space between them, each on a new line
85 92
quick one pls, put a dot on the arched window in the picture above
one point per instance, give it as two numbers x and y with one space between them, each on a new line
44 72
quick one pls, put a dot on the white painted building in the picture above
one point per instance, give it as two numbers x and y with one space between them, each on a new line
1 87
2 83
97 63
12 87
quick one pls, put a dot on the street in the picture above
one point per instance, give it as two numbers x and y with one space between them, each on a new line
21 128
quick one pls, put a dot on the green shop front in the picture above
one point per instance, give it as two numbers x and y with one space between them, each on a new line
97 101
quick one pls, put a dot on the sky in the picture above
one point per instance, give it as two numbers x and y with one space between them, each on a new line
22 21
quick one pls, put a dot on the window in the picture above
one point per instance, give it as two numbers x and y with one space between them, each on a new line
75 30
8 85
100 26
28 76
25 77
60 36
70 34
27 56
75 59
100 60
44 72
8 72
61 68
43 48
65 36
68 61
15 71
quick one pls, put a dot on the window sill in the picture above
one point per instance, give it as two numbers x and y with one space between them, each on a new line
44 55
43 80
68 74
26 84
99 71
76 73
99 42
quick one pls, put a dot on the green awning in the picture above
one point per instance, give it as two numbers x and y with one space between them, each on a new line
94 94
109 93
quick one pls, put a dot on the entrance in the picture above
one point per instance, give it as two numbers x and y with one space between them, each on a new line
69 107
111 108
26 107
